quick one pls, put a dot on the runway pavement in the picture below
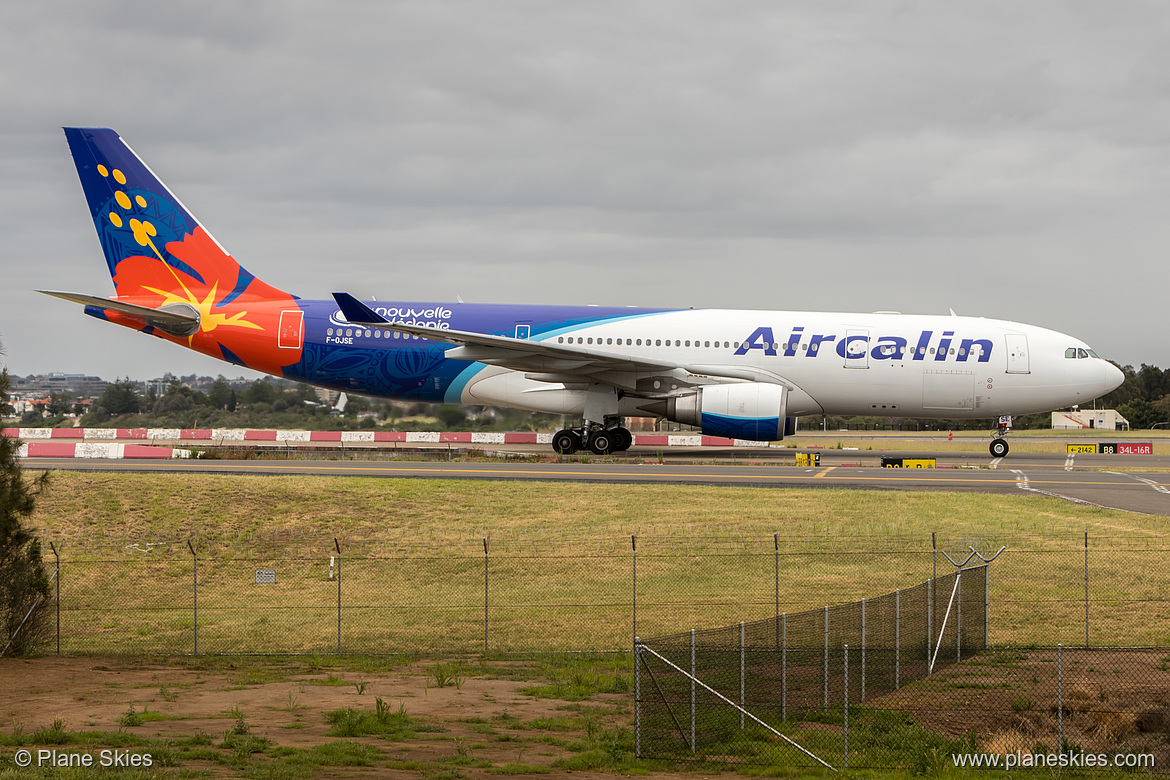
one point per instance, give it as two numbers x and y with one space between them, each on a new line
1131 483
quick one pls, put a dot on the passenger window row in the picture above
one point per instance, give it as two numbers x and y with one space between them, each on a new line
377 333
887 349
647 342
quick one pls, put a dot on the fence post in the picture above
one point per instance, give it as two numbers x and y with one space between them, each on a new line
485 595
929 616
930 589
338 548
776 546
637 698
959 616
634 618
898 638
862 651
195 591
826 657
692 690
1086 588
1060 697
986 605
741 674
57 556
846 706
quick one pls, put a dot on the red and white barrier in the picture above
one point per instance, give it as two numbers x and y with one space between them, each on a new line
95 450
111 443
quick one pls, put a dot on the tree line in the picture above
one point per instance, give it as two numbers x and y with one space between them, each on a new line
1143 399
271 403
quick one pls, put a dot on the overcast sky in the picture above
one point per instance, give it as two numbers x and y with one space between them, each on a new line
1003 159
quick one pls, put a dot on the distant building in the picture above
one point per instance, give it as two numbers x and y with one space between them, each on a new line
21 406
642 423
76 385
1096 419
327 396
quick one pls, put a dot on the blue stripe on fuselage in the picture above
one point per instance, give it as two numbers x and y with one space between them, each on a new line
417 369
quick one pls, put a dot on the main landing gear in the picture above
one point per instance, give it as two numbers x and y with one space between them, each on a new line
598 440
999 446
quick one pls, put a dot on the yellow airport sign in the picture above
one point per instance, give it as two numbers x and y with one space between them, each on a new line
909 463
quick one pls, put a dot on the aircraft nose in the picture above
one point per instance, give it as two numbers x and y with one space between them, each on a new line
1113 376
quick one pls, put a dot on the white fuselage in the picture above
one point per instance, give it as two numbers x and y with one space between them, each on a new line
881 364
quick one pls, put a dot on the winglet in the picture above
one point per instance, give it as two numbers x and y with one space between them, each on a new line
357 312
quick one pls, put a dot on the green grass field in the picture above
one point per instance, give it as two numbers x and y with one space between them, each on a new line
560 566
560 562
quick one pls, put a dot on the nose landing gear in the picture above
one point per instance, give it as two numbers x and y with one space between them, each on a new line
999 446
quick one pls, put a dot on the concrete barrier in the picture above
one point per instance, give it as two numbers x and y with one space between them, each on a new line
111 443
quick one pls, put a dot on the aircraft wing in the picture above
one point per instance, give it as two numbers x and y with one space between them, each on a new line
565 363
517 354
142 312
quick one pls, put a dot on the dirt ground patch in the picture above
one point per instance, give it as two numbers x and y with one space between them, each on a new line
479 724
311 718
1114 701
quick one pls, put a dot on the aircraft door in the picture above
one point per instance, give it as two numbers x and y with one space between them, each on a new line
856 348
1017 354
291 329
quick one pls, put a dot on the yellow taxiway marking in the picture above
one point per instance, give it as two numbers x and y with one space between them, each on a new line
885 476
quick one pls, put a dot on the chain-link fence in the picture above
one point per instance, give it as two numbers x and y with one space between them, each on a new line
1053 708
346 604
513 594
943 668
793 665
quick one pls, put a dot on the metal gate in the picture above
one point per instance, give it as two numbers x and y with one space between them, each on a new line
670 701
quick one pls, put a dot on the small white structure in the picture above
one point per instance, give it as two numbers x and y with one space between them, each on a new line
1085 419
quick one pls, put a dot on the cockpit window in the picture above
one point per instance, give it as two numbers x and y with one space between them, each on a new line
1093 354
1082 353
1071 352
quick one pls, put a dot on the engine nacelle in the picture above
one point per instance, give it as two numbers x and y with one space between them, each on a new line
745 410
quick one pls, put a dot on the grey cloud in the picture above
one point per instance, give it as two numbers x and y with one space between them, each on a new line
1002 158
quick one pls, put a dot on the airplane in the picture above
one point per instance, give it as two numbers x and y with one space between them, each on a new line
741 374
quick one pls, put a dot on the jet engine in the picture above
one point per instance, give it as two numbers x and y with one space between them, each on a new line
746 410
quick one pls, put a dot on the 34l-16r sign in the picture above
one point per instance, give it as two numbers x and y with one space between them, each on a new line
1113 448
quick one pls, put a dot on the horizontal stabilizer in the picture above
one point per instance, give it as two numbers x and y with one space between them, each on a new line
145 312
357 312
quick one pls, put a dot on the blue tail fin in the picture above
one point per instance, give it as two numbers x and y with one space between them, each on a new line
139 220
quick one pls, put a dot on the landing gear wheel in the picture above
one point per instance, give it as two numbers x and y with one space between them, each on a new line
624 439
566 443
602 443
998 448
